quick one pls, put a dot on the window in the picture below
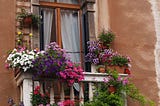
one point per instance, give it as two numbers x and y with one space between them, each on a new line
62 24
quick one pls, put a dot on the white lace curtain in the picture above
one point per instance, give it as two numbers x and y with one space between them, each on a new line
47 22
69 30
70 34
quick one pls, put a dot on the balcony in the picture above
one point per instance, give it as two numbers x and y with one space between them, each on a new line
27 83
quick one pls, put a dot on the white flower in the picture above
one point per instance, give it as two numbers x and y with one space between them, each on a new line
21 59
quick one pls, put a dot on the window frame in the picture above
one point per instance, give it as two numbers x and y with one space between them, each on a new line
58 6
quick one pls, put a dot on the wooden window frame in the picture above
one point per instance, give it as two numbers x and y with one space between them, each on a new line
58 6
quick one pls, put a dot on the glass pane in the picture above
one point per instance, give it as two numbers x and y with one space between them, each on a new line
68 1
70 33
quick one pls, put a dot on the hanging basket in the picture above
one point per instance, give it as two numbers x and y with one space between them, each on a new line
27 21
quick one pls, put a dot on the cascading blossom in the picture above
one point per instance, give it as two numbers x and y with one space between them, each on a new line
21 58
72 73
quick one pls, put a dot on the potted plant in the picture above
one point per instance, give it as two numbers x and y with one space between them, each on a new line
27 19
106 38
114 96
119 63
101 69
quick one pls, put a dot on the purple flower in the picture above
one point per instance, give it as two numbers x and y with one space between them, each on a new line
125 81
106 80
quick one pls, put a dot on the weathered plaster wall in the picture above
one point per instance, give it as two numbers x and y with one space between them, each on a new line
101 16
7 42
133 23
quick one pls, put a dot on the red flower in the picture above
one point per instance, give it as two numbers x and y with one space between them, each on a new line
42 95
36 92
37 88
127 71
68 103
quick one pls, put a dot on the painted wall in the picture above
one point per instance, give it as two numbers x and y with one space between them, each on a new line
131 20
133 23
7 42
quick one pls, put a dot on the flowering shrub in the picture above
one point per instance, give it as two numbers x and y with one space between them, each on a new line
72 73
39 99
21 58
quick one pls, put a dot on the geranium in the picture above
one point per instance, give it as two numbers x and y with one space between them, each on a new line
72 73
21 58
38 98
106 56
116 81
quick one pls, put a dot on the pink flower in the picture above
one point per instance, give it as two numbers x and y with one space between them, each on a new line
125 81
36 92
6 65
42 95
62 75
106 80
119 78
71 82
37 88
60 103
70 64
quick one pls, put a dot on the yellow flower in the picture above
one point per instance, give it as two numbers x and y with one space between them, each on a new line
19 33
18 40
30 34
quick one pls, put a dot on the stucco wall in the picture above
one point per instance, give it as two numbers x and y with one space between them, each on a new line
133 23
7 42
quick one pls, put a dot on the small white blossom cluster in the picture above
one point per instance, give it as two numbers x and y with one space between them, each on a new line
21 59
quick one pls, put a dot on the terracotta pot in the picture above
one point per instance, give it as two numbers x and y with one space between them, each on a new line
27 21
111 89
101 70
117 68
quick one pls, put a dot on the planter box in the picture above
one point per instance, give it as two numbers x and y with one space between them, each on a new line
117 68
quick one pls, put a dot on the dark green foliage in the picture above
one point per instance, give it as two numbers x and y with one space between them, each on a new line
119 61
106 37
